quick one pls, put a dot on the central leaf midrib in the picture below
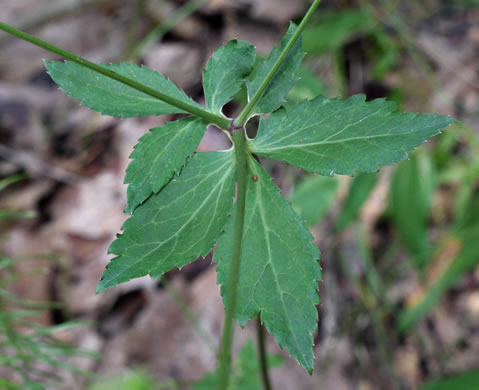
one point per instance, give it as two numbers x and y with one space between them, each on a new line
365 137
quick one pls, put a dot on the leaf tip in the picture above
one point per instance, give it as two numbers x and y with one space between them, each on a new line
101 287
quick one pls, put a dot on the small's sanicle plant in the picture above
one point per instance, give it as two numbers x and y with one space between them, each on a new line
182 203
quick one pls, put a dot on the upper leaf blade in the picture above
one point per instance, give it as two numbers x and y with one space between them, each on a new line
179 224
279 269
333 136
110 97
159 155
284 79
224 74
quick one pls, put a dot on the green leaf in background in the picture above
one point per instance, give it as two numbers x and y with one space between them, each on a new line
308 86
159 155
359 192
9 385
464 381
458 5
333 136
177 225
468 219
283 81
110 97
313 197
333 30
465 242
246 371
279 268
224 74
387 54
410 198
136 380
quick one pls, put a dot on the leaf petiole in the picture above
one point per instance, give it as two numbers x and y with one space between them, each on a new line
222 122
244 116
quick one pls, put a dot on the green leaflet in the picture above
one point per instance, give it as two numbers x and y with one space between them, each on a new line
177 225
333 136
224 74
279 268
110 97
159 155
283 81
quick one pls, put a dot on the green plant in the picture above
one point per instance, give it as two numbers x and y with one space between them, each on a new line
463 381
182 203
135 380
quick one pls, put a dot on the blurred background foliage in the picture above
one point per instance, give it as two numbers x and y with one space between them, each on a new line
400 249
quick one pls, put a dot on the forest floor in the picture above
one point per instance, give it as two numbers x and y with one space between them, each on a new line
75 161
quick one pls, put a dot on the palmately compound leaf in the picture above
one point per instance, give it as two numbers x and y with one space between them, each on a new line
159 155
333 136
110 97
279 268
177 225
224 74
284 79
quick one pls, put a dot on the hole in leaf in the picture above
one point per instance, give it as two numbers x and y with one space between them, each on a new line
252 127
214 140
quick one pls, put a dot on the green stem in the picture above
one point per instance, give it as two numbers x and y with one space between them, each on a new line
245 114
224 367
263 359
192 109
